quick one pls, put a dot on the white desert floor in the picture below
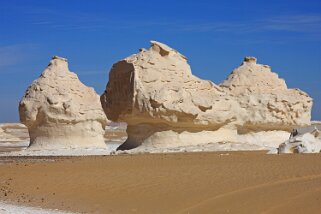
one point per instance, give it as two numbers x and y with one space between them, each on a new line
6 208
111 147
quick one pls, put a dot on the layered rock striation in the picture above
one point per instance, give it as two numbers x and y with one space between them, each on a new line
61 112
163 103
15 131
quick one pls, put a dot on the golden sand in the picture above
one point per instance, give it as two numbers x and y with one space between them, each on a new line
166 183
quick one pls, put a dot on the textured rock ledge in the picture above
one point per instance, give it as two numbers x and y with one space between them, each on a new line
156 94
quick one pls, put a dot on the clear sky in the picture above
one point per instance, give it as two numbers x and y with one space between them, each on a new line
214 35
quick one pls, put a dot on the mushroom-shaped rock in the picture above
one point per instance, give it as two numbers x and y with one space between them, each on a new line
61 112
266 98
155 91
163 103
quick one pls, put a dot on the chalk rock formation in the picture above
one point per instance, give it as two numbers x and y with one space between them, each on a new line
13 136
61 112
266 98
13 132
304 140
156 93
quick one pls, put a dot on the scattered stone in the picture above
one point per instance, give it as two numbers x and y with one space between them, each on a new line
303 140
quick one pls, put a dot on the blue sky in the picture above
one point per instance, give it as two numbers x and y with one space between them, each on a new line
214 35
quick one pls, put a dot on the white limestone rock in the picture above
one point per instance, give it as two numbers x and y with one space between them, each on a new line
13 136
220 140
307 140
61 112
318 123
13 132
156 94
155 90
266 98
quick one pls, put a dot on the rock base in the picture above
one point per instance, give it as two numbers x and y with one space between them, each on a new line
67 136
146 138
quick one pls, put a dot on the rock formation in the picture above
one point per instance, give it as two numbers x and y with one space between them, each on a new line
61 112
12 136
163 103
304 140
266 98
13 132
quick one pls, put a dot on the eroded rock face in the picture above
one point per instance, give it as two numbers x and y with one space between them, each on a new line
13 132
156 93
61 112
266 98
13 136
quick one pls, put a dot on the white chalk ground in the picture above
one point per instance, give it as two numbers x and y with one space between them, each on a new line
210 141
65 152
111 147
210 147
6 208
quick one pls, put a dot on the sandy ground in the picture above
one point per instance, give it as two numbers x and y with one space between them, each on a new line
234 182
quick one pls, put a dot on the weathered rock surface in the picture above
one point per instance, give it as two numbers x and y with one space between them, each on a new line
155 92
266 98
220 140
14 141
61 112
13 136
303 140
13 132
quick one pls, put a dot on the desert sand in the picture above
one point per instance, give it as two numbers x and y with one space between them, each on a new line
234 182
